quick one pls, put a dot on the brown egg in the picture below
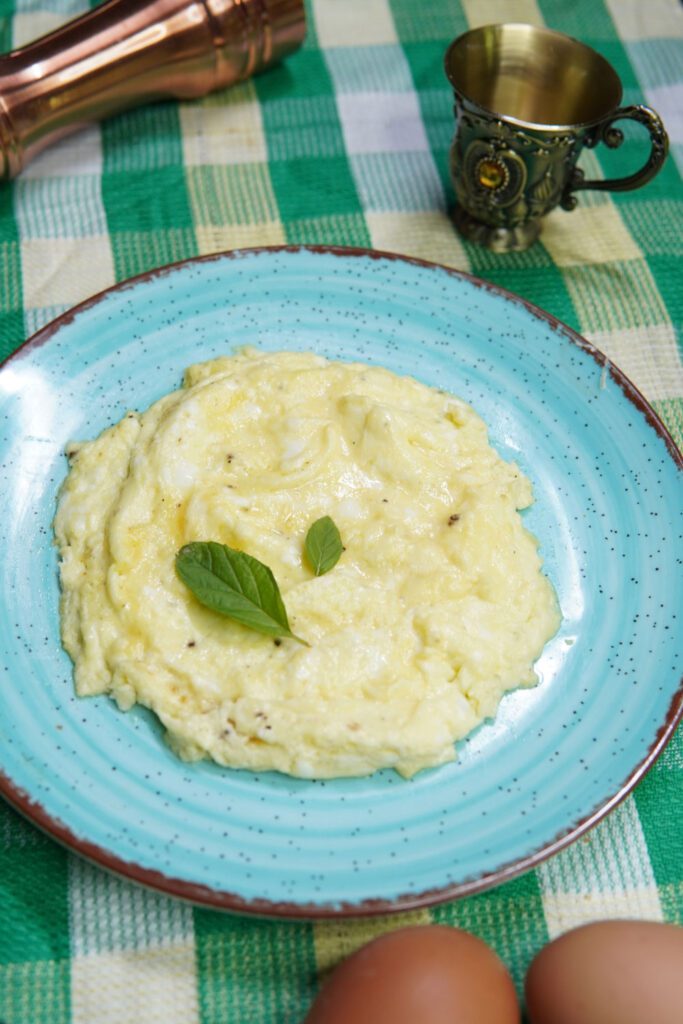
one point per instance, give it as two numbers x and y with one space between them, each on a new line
611 972
428 974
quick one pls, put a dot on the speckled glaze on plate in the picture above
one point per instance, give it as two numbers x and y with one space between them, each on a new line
555 760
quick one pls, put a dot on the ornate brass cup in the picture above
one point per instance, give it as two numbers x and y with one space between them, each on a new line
527 100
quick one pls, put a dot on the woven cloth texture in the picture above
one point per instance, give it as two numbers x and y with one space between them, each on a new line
345 144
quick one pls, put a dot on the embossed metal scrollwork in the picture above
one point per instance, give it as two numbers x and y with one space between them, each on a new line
613 137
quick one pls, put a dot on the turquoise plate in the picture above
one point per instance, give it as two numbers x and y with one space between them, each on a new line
555 760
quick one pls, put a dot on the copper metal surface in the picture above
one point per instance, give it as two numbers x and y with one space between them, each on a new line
128 52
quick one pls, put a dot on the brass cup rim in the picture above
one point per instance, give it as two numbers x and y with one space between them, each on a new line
497 31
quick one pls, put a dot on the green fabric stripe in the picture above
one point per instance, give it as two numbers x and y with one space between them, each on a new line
671 414
144 202
656 225
531 274
655 220
510 919
309 170
303 129
143 140
253 971
341 229
658 61
138 251
238 194
37 992
144 191
436 103
6 12
615 296
440 20
660 788
311 42
594 26
303 188
671 899
485 262
12 331
581 20
298 109
666 272
35 914
303 76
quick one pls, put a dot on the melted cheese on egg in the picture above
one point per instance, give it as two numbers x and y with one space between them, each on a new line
437 606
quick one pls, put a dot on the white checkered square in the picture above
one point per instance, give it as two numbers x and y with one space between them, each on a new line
606 874
133 952
369 69
335 940
218 237
226 132
30 25
428 236
615 296
489 12
636 20
62 272
79 155
648 356
382 123
154 986
68 9
594 234
354 22
564 911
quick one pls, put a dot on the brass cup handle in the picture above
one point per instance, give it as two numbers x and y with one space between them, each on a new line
613 138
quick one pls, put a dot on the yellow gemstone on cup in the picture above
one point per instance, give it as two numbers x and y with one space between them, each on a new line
491 174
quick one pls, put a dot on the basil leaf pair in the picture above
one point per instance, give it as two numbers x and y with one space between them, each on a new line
242 588
235 585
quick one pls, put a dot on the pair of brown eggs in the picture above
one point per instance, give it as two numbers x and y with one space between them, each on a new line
610 972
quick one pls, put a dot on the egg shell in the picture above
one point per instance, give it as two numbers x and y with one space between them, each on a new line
431 974
609 972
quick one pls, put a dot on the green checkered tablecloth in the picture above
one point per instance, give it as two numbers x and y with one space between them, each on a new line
344 144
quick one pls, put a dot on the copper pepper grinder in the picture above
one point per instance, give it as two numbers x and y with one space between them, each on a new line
128 52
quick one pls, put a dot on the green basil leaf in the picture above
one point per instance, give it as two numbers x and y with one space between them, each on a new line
234 584
323 545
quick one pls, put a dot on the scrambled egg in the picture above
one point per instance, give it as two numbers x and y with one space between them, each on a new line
436 607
